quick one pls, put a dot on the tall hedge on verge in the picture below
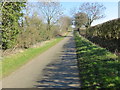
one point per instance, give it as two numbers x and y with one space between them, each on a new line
108 30
106 35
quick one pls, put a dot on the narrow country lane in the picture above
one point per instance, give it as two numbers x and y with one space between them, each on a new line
63 72
56 68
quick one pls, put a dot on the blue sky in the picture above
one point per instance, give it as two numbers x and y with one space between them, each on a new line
111 11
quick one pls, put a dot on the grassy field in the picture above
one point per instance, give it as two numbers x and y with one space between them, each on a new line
98 67
11 63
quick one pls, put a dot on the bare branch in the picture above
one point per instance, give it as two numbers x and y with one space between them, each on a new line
51 11
94 11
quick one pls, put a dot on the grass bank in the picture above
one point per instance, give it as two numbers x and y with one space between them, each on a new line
11 63
98 67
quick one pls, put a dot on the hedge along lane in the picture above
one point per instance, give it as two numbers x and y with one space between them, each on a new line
98 68
11 63
106 35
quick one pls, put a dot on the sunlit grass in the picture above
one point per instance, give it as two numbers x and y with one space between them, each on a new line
11 63
98 67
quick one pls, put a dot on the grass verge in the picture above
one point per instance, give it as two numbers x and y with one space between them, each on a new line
98 67
11 63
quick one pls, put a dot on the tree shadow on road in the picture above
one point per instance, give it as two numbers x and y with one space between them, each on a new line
62 73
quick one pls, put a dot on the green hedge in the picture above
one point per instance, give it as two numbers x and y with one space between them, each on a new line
110 29
98 68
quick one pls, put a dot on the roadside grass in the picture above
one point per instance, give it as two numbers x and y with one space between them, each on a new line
98 68
11 63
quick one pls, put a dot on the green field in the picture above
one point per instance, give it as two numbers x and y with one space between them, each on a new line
13 62
98 67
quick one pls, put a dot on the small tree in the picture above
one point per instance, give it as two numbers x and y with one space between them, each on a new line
80 19
94 11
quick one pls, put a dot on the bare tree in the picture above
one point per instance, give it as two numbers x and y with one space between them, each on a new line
94 11
51 12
